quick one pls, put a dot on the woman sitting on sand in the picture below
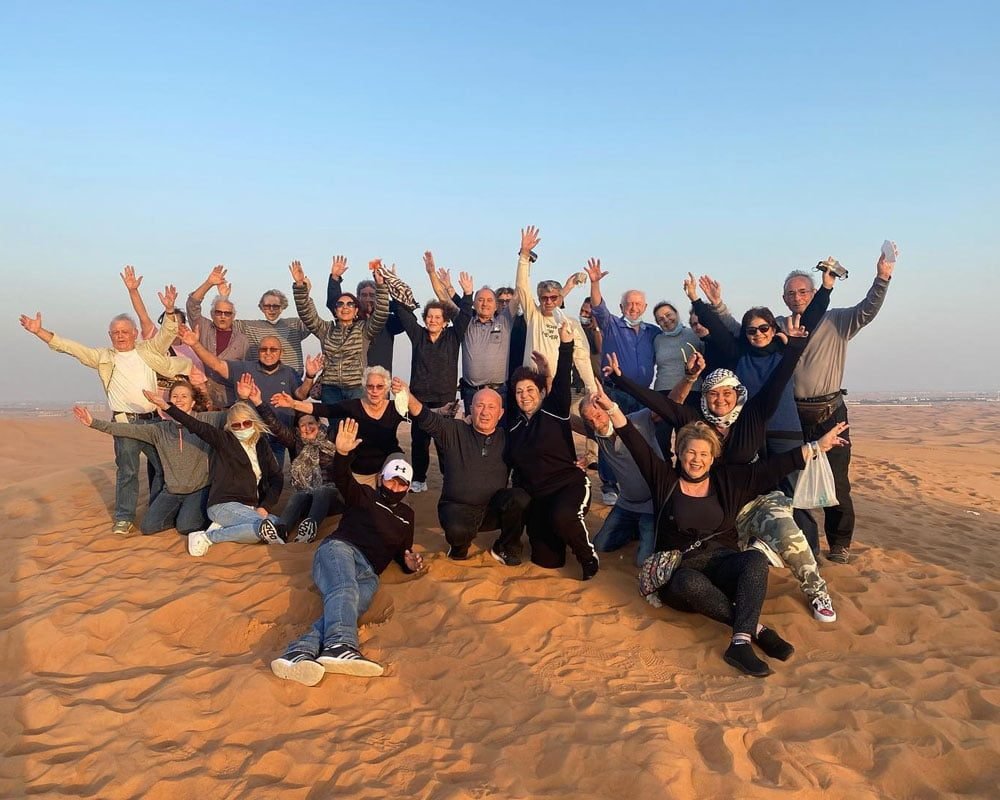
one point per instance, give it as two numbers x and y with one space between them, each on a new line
541 452
246 479
697 505
185 462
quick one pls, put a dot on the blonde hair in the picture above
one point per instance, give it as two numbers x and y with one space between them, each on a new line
698 431
241 411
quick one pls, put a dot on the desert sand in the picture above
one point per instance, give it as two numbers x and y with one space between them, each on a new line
132 670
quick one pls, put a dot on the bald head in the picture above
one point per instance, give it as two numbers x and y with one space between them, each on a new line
487 408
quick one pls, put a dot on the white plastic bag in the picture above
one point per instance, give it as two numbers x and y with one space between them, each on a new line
815 487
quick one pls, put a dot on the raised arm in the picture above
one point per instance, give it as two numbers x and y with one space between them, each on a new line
865 311
208 358
693 367
658 474
143 433
408 320
304 304
380 314
465 310
817 307
34 325
530 239
209 433
657 402
132 283
169 329
559 398
338 267
346 441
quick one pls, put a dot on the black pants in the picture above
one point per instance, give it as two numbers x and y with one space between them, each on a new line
505 512
556 521
421 443
726 586
840 518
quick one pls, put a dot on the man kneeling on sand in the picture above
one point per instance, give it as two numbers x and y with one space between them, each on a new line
376 528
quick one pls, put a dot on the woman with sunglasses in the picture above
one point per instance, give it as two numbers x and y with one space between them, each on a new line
757 351
345 340
246 480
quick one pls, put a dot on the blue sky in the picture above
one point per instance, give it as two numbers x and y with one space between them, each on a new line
743 140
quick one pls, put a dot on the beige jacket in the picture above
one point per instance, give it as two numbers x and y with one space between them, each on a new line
153 352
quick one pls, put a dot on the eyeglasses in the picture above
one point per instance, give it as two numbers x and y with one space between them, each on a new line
345 304
223 313
550 298
503 300
751 330
271 306
268 349
799 292
242 425
372 387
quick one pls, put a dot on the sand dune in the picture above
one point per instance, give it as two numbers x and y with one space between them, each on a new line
132 670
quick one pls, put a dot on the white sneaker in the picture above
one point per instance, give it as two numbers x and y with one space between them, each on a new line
418 486
609 498
301 668
823 608
198 543
346 660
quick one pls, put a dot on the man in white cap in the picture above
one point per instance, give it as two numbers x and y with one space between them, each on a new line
376 528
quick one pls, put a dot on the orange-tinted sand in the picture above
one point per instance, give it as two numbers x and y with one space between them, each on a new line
132 670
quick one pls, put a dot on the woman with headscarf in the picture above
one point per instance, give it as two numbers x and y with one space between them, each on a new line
697 504
740 422
246 480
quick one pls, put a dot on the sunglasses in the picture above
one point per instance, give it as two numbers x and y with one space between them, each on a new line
751 330
242 425
373 388
271 305
223 313
268 349
345 304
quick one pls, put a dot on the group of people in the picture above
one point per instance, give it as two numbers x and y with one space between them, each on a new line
696 433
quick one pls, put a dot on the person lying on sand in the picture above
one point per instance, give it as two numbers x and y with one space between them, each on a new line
697 504
376 528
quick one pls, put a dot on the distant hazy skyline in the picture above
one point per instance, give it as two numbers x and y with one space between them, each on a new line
742 140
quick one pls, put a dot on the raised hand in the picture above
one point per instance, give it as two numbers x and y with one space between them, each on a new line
529 239
832 437
83 415
347 436
156 399
429 262
374 264
217 277
225 289
32 324
298 274
712 289
541 362
691 287
168 297
444 275
244 386
282 400
793 323
398 385
314 365
130 279
884 268
338 267
695 363
612 367
465 281
187 335
594 270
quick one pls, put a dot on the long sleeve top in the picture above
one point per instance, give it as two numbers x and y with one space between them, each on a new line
634 346
382 344
290 330
434 364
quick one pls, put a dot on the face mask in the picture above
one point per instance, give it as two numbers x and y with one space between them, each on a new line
633 323
244 434
390 498
584 319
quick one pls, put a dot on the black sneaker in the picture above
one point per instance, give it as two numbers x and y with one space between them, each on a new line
505 558
745 660
458 553
300 667
272 533
773 645
306 531
590 568
839 554
346 660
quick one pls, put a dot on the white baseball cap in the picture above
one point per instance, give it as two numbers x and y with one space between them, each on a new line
397 468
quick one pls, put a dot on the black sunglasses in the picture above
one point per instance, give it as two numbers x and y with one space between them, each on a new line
751 330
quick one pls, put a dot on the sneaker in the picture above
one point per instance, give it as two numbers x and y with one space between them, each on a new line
272 532
839 554
745 660
773 645
823 608
346 660
306 531
609 497
505 558
299 667
198 543
416 487
458 553
124 528
772 557
590 568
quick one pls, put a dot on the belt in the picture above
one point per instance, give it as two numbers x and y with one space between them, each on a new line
132 417
826 398
468 385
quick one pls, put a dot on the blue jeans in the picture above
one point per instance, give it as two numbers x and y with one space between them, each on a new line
331 394
348 583
239 523
186 512
314 504
127 475
621 527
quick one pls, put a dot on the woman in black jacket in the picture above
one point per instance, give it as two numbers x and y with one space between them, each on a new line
541 452
697 504
246 479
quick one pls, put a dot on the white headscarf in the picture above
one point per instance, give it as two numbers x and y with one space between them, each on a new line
715 379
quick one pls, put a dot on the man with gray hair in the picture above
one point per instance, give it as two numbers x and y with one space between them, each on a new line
217 336
818 385
486 346
126 369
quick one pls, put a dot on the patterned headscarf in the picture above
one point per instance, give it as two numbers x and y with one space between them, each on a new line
398 289
723 377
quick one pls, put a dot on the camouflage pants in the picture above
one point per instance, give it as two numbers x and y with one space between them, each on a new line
769 518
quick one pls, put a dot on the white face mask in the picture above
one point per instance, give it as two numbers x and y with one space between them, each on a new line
634 323
584 319
244 434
